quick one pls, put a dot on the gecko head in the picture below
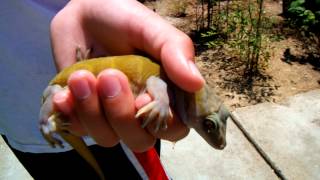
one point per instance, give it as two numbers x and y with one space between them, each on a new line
213 129
211 118
204 112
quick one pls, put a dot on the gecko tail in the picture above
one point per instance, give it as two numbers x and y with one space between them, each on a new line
80 146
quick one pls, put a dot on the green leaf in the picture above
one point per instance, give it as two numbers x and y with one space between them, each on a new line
297 3
297 10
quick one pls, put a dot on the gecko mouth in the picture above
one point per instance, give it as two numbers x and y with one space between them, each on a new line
221 145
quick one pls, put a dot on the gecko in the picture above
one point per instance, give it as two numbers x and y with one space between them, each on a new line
202 110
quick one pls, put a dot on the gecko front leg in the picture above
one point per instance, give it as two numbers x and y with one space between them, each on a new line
81 56
158 110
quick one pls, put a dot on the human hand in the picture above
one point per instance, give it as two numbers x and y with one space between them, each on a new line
104 106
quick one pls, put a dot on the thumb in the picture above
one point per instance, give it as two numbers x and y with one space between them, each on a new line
171 46
178 61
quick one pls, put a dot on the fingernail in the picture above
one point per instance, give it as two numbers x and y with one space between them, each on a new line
60 99
110 86
194 70
81 89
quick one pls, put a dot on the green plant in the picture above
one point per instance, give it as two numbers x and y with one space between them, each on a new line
301 16
213 38
238 28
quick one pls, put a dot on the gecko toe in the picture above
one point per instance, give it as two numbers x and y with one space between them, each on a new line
149 118
157 112
145 109
161 122
51 126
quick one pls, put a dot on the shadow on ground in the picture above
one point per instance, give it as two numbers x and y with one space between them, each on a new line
309 58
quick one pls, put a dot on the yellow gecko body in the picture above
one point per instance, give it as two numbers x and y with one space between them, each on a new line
137 68
201 110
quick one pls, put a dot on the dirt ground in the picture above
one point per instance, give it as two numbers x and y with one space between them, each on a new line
279 80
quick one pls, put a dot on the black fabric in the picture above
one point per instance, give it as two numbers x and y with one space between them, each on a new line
70 165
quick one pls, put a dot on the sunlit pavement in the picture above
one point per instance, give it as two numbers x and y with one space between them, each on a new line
289 133
10 167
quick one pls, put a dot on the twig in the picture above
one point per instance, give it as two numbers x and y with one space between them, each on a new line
262 153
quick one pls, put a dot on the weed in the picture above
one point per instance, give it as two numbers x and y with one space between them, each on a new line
301 16
238 26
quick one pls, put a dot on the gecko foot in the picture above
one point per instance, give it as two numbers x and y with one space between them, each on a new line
48 128
51 121
81 56
155 111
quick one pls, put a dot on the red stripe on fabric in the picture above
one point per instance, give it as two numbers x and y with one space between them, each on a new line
150 162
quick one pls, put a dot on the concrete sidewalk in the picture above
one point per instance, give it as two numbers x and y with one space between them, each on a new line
10 167
289 133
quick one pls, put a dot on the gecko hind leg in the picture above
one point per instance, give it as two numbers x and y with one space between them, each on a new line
49 128
54 124
51 122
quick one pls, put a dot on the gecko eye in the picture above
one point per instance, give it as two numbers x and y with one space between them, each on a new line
210 125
